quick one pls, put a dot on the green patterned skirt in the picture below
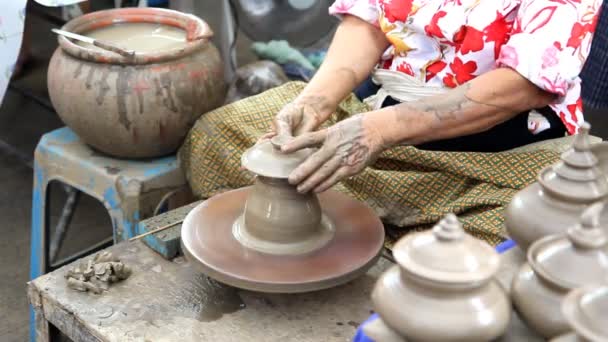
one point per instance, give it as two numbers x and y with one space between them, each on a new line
409 189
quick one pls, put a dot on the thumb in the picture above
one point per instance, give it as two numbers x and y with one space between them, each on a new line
283 128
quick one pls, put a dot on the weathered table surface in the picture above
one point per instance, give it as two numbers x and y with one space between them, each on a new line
168 301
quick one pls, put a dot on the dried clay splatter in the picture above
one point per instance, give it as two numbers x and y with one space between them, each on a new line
97 274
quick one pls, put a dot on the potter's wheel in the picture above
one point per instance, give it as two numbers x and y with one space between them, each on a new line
209 243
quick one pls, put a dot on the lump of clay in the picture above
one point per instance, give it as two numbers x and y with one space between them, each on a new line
97 274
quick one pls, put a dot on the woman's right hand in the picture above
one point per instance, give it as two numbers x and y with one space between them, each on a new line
305 114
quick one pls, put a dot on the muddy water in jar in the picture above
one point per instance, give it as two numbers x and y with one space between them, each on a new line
141 37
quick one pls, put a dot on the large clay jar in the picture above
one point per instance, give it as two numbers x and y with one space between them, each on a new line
443 288
586 310
277 219
555 202
556 265
140 106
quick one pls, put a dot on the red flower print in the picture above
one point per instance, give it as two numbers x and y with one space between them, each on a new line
558 45
473 40
387 63
397 10
456 2
463 72
508 56
432 29
578 33
540 19
549 57
573 108
449 81
434 69
556 87
569 127
459 35
343 6
406 68
498 32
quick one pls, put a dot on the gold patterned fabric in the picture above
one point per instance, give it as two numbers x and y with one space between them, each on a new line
409 189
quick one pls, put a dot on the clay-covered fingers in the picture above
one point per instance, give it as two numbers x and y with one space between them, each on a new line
311 139
266 136
338 175
305 127
283 126
313 163
318 176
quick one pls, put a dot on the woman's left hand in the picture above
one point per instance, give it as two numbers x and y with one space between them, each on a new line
346 149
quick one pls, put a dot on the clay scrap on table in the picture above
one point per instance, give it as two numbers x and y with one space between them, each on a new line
97 274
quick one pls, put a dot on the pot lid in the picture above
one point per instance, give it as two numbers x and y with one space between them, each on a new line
576 258
586 310
266 159
446 254
576 175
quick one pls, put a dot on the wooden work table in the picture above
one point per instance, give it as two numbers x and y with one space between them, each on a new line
169 301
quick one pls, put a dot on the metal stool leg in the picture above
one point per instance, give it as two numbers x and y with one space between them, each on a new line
38 247
61 229
64 221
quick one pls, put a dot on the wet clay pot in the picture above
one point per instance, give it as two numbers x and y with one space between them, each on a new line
270 238
140 106
556 265
586 311
277 219
443 288
554 203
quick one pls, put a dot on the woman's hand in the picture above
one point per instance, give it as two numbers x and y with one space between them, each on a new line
345 150
303 115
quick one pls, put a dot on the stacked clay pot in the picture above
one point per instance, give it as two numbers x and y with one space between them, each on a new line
443 289
586 311
556 265
554 203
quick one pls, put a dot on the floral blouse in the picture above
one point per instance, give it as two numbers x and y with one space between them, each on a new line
449 42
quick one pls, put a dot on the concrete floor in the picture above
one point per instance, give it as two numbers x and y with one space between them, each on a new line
22 122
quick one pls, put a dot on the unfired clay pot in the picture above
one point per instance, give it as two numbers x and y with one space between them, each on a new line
556 265
556 200
277 218
141 106
586 311
443 288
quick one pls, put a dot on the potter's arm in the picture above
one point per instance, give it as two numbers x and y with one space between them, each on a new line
352 144
473 107
352 55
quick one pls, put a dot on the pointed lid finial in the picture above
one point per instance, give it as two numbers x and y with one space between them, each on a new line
589 234
577 175
447 255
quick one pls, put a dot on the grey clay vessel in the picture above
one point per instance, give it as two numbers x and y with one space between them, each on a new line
556 265
554 203
443 289
277 218
586 311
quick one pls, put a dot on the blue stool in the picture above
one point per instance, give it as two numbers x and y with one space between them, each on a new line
130 190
